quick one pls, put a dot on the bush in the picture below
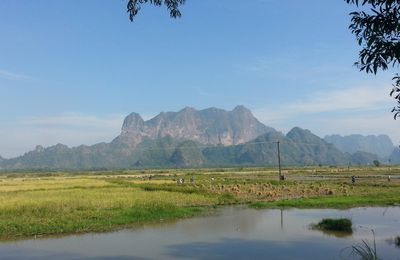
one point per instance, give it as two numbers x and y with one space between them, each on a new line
397 241
341 224
377 163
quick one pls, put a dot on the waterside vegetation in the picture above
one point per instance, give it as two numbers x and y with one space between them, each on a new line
341 224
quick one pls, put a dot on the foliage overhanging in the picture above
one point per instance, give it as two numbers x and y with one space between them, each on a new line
377 30
134 6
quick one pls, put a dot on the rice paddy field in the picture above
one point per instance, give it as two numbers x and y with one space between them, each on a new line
58 203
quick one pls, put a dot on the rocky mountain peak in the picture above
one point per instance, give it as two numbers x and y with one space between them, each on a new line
298 134
133 122
39 148
187 110
210 126
242 109
61 146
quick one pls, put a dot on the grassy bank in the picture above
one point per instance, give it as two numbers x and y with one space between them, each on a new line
338 202
71 203
32 207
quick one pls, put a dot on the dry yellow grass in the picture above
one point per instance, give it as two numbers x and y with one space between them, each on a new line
71 203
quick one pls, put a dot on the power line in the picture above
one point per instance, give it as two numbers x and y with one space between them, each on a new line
215 146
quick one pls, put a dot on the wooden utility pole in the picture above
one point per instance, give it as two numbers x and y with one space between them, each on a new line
279 161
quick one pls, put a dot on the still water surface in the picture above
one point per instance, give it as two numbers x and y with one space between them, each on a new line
232 233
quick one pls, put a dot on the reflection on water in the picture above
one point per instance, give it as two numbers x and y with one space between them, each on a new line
394 241
234 233
339 234
334 233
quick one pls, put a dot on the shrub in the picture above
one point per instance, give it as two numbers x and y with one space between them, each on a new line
397 241
341 224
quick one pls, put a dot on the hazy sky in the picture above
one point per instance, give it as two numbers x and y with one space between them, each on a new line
71 70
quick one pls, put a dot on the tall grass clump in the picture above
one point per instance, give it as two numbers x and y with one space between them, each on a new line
341 224
365 251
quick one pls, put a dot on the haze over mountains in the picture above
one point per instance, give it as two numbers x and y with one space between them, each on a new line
380 145
395 156
197 138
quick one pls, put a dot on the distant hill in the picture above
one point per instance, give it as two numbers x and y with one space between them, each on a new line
298 147
363 158
395 156
191 138
314 150
380 145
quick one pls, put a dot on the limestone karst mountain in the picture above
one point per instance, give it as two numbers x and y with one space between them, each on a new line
210 126
380 145
190 138
394 158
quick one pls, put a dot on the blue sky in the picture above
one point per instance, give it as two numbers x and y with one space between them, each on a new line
71 70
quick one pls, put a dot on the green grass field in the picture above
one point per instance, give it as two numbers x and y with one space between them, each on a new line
64 203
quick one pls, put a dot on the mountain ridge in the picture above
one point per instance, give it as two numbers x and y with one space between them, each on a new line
191 138
211 126
380 145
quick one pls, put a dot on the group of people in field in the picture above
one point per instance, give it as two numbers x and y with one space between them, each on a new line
353 179
181 181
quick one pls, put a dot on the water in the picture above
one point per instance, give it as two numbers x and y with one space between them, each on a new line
232 233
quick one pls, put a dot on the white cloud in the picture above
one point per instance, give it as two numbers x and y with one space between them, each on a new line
71 129
359 110
352 99
75 120
12 76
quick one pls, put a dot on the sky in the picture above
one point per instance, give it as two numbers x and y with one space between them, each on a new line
70 70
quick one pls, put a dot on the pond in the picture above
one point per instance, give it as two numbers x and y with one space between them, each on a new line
230 233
